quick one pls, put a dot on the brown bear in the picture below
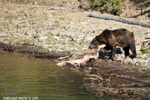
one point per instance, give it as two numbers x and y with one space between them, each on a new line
113 38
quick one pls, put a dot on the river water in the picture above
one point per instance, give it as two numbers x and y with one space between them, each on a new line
23 76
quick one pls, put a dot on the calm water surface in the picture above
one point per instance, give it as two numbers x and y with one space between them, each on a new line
24 76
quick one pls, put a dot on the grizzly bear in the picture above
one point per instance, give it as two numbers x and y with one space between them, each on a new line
113 38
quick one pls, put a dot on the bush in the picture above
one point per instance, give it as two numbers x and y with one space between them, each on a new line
110 6
140 1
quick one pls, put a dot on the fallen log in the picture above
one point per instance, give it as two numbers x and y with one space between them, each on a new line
84 69
55 8
123 20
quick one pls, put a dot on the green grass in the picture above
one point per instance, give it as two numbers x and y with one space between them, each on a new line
62 18
145 51
11 16
96 4
139 70
110 6
57 24
139 57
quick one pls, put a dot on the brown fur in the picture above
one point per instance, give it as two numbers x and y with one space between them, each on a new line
113 38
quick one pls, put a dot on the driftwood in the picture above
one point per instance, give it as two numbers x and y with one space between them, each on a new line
102 85
36 51
55 8
123 20
134 80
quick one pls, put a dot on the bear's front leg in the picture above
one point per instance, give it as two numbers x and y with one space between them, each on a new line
126 51
113 52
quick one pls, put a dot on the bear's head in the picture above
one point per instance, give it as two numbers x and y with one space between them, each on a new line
94 43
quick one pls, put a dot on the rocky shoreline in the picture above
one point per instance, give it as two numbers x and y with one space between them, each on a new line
63 31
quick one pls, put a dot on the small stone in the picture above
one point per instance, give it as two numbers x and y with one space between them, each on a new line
119 57
57 37
43 37
3 35
127 60
146 44
88 38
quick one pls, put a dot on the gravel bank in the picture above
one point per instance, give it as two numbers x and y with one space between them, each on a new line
59 31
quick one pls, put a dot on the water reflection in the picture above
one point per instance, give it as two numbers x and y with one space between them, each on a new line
24 76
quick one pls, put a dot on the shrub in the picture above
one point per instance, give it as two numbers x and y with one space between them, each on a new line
140 1
110 6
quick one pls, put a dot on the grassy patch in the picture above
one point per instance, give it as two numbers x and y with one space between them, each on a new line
57 24
64 36
62 18
11 16
11 40
43 50
96 4
139 70
139 57
110 6
32 15
51 40
145 51
25 41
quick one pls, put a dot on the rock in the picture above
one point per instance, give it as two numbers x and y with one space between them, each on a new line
55 32
57 37
146 44
3 35
26 14
128 60
68 34
42 38
120 57
88 38
138 48
78 37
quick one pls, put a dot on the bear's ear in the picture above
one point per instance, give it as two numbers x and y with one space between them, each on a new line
132 33
106 30
97 38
